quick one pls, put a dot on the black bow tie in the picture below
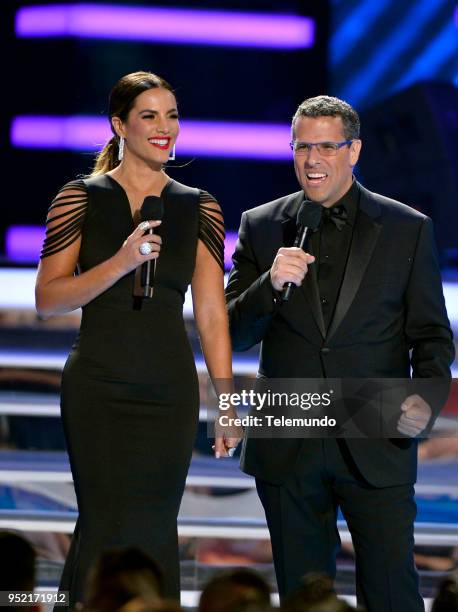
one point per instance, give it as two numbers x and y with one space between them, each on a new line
337 214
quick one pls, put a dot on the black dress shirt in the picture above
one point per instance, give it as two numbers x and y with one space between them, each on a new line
330 244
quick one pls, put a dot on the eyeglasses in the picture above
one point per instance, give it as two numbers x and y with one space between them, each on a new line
326 149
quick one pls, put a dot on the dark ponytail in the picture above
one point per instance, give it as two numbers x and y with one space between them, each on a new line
107 158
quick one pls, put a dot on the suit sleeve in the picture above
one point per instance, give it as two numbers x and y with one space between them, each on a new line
427 326
250 297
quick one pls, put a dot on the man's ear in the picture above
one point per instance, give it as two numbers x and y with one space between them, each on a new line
355 150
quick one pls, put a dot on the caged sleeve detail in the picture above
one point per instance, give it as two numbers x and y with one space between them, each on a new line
211 226
65 217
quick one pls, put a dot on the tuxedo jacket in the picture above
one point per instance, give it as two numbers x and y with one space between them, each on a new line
389 321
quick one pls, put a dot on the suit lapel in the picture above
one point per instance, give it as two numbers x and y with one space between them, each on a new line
365 237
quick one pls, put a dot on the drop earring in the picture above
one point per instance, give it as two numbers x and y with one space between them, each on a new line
121 148
172 154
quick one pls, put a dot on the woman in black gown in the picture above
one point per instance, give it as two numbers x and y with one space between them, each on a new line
130 399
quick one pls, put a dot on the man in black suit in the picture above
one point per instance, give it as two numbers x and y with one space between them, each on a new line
368 304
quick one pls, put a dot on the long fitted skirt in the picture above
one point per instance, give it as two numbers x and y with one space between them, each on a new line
130 446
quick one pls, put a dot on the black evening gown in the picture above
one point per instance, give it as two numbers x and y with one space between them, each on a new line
130 397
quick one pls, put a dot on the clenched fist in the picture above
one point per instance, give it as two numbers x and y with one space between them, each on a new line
290 266
415 416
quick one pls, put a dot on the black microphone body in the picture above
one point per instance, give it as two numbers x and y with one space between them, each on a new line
308 219
151 209
148 273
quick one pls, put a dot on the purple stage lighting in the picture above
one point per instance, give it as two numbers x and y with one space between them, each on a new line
231 139
202 138
74 133
24 242
229 248
188 26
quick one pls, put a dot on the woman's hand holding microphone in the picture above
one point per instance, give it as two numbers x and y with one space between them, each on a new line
139 247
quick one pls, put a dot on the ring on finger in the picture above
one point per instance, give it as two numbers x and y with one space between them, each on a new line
145 248
144 225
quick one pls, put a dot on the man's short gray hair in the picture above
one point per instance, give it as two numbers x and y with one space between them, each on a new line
328 106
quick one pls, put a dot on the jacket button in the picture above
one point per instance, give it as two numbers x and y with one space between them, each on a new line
325 350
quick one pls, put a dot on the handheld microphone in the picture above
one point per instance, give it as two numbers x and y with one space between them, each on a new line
308 219
151 209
